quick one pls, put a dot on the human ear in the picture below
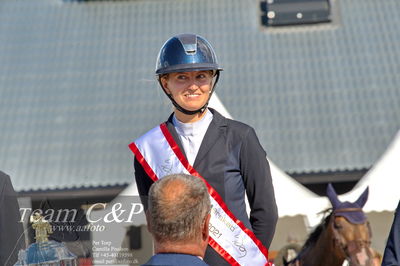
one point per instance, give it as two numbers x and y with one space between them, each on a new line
164 83
148 221
205 231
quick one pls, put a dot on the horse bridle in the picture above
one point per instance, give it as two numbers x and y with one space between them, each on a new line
350 247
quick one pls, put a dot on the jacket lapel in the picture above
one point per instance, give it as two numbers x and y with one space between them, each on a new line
215 131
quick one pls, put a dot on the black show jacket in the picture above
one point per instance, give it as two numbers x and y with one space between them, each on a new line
233 162
391 256
12 238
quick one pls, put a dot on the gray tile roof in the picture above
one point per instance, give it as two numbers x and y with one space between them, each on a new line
77 84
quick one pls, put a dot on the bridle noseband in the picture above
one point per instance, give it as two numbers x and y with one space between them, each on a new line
352 246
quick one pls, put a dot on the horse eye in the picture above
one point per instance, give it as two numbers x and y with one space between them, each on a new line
337 226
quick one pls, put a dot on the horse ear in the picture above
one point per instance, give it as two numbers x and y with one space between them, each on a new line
332 196
363 198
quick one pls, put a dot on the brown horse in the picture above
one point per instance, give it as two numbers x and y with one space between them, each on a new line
343 235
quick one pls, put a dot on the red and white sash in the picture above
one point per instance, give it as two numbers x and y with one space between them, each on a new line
159 155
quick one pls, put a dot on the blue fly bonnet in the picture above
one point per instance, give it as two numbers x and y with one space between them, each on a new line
354 213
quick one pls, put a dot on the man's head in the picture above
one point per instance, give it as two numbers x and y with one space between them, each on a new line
179 207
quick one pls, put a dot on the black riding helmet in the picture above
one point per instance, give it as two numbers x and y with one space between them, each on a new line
186 53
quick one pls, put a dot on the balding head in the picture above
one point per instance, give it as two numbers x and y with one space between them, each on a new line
178 207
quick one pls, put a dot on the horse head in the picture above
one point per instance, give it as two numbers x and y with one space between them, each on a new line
350 228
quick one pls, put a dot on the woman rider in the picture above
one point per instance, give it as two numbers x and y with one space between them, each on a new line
226 153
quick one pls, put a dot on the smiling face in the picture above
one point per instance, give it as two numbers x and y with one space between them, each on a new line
190 90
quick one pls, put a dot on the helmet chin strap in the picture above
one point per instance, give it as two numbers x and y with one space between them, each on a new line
185 111
188 112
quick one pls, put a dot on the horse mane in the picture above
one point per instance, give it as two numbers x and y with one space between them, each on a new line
313 237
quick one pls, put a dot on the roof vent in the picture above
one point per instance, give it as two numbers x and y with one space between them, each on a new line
294 12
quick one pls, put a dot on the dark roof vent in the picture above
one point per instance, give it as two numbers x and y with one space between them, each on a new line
294 12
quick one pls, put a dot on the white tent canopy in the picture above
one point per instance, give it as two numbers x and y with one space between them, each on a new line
383 180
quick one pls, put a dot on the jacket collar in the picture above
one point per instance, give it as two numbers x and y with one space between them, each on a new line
215 130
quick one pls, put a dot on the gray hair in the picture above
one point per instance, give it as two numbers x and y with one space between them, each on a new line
178 207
